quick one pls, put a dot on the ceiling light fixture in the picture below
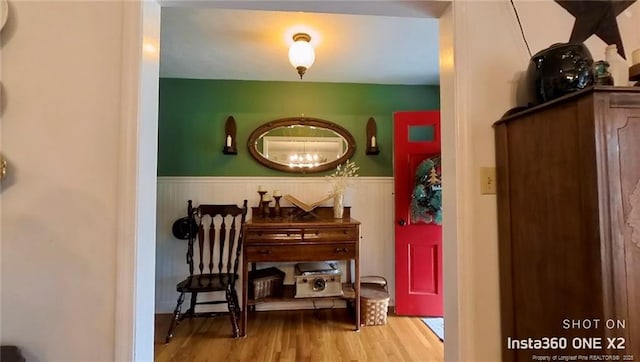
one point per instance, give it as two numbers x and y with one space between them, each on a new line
301 53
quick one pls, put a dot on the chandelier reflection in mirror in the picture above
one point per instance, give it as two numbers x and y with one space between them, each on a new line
306 160
319 147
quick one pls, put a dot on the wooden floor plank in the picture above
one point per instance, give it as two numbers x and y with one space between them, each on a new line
301 335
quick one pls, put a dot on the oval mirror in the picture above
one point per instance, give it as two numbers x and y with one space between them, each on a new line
301 145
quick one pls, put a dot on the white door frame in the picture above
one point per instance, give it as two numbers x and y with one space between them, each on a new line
136 243
135 262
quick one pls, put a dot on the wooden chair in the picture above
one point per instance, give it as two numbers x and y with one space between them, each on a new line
213 261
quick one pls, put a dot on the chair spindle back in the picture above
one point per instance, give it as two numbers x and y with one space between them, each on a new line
220 245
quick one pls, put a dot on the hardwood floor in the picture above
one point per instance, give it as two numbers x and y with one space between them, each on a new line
300 335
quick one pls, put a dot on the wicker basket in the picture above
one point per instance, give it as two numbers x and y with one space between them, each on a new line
265 283
374 301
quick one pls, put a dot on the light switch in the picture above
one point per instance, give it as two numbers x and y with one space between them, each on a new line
487 180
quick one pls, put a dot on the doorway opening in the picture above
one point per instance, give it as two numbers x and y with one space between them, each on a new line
140 331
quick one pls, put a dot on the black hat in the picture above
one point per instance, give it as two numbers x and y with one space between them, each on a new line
181 228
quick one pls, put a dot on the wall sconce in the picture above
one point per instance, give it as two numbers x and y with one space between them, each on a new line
301 53
230 137
372 143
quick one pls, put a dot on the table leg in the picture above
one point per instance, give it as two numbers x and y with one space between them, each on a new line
357 290
245 296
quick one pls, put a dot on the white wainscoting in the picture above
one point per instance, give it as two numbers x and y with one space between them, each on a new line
370 198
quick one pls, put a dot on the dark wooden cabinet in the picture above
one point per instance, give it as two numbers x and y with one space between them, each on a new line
568 175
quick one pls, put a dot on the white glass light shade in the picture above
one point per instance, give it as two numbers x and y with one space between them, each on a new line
301 53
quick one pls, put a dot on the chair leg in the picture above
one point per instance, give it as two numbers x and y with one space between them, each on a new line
233 313
235 301
192 306
238 309
175 318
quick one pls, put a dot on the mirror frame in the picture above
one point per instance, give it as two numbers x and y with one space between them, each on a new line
300 121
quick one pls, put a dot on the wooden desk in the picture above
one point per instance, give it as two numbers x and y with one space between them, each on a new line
290 239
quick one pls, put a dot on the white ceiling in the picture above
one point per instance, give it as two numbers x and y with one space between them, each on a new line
222 43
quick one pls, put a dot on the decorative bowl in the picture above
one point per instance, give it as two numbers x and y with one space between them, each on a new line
558 70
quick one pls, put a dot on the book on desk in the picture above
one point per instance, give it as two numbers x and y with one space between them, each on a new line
303 205
298 210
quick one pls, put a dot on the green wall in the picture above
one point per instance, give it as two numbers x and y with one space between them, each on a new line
193 113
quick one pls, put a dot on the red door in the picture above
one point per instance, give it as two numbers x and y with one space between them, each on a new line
418 230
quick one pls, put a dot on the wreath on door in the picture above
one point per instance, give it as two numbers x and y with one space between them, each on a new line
426 199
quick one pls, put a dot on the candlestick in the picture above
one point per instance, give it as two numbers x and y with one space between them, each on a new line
276 209
262 193
265 208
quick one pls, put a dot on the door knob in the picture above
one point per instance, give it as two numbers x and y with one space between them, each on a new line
402 222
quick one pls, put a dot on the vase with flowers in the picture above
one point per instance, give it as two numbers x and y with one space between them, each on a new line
342 178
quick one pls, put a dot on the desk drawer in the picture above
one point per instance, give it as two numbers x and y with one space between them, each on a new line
330 234
299 234
279 235
333 251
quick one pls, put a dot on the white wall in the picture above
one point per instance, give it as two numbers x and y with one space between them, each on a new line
61 68
370 198
489 58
